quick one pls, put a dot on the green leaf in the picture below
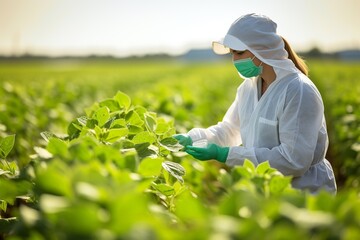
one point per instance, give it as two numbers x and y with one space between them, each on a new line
129 160
133 205
54 181
133 118
86 122
91 123
249 165
171 144
150 122
240 172
47 135
140 110
102 115
58 147
118 123
9 169
123 100
191 209
150 167
74 129
6 144
115 134
11 189
82 120
134 129
82 148
279 183
175 169
165 189
143 150
109 122
263 167
125 144
98 132
162 127
144 137
112 104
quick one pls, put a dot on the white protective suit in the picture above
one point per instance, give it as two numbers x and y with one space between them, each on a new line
285 126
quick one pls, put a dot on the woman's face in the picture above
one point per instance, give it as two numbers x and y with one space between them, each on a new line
236 55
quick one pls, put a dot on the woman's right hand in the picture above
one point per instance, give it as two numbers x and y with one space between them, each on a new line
183 139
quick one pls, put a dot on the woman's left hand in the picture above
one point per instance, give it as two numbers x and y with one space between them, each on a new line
212 151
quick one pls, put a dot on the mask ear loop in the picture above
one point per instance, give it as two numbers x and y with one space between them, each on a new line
260 61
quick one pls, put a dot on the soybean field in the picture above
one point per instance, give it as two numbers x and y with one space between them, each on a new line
86 152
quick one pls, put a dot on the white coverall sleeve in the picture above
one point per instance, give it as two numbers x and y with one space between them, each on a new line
225 133
299 126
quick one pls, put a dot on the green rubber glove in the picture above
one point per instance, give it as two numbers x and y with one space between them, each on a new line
183 139
212 151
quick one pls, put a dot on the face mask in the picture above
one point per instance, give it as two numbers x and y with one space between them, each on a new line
247 68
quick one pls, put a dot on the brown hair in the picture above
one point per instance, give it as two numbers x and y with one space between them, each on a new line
298 61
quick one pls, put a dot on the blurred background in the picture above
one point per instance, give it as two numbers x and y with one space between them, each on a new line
122 28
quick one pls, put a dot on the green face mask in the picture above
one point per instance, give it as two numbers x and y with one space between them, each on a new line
247 68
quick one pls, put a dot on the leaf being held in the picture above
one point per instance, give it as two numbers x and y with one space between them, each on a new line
171 144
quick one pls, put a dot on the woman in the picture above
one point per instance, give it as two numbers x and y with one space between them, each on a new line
277 115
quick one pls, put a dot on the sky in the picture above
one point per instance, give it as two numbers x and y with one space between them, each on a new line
139 27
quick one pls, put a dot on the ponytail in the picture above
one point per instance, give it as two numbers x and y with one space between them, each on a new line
299 62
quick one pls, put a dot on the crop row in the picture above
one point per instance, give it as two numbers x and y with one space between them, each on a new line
118 174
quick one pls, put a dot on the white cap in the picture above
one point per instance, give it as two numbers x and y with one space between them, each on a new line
229 42
256 33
